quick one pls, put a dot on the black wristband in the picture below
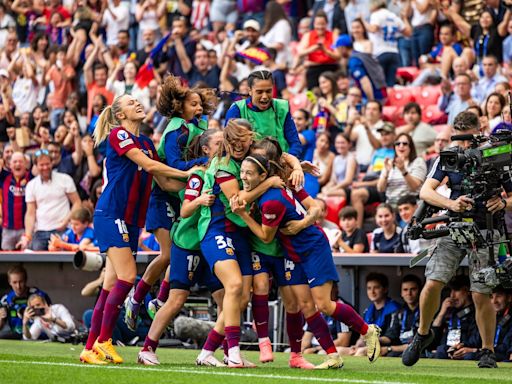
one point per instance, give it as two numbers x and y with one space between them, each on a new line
405 173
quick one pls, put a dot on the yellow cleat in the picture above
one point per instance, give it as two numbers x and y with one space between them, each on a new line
333 361
372 342
88 356
107 352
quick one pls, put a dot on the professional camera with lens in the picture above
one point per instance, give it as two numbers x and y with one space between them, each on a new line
480 164
89 261
483 167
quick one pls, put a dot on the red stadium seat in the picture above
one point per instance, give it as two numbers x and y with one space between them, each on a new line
428 95
408 74
434 115
389 113
334 206
399 97
369 237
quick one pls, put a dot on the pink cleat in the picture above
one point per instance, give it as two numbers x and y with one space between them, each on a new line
266 351
298 361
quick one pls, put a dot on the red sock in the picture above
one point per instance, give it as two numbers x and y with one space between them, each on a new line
320 329
294 324
113 305
232 335
260 313
225 347
150 343
346 314
213 341
97 316
163 293
141 291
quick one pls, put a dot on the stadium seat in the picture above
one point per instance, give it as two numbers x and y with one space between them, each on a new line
334 206
389 113
408 74
399 97
299 101
369 237
428 95
433 115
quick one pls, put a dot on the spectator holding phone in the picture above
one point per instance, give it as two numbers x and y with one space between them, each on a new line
52 320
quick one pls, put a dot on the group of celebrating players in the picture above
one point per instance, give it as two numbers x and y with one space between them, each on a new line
243 217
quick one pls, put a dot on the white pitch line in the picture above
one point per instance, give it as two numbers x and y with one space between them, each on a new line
201 371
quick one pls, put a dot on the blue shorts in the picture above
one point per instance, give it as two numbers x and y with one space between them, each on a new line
160 214
285 271
114 232
219 245
188 268
318 266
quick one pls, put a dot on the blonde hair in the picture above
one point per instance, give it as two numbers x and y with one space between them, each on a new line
107 120
235 130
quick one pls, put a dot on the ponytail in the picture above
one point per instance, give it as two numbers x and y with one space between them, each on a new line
106 121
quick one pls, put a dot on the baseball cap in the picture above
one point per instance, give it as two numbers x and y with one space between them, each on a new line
343 41
387 127
252 24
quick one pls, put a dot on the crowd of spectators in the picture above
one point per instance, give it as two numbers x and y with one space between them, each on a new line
371 85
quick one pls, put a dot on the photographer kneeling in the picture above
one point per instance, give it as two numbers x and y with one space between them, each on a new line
53 320
446 255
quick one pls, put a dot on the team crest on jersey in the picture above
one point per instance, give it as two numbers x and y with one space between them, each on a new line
23 182
126 238
288 275
270 216
191 276
230 251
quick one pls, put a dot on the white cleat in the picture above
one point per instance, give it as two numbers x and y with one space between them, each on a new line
148 358
210 361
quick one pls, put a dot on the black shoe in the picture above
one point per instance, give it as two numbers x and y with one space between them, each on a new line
487 359
412 354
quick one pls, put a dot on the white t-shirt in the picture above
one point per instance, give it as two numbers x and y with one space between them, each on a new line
364 149
52 203
24 95
6 23
52 330
281 32
119 89
418 18
385 40
122 21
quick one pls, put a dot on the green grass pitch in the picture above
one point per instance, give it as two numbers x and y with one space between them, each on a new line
53 363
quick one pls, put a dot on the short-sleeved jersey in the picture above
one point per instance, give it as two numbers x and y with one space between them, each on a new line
383 245
185 234
279 206
219 214
126 186
72 238
15 305
14 206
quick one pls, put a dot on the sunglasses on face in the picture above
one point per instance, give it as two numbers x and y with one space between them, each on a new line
404 143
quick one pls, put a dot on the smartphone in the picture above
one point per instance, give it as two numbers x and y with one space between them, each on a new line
39 311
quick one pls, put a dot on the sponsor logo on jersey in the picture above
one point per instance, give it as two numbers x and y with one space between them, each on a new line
124 143
191 192
270 216
194 183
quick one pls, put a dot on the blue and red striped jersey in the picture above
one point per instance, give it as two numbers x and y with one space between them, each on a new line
278 207
14 206
126 186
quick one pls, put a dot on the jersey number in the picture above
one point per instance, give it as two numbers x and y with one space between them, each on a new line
193 262
121 226
289 265
221 243
298 206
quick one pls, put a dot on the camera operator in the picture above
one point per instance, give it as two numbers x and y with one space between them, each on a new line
53 320
445 255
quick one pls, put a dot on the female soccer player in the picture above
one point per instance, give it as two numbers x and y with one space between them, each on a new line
188 264
307 246
269 259
224 240
120 213
267 115
184 107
